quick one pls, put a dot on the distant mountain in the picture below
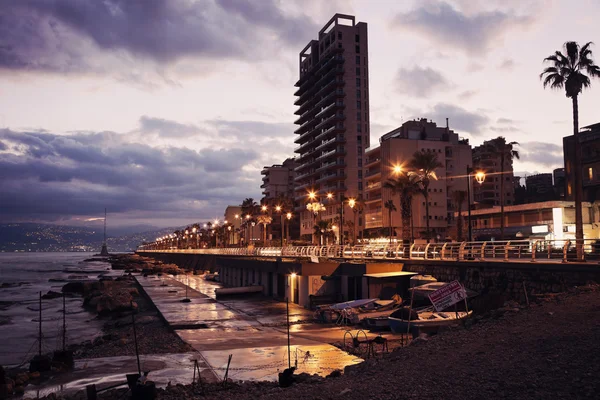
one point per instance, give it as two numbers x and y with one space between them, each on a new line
45 237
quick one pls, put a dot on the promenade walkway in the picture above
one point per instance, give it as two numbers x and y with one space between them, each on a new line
252 330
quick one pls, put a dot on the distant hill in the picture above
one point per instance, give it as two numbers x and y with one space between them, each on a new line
46 237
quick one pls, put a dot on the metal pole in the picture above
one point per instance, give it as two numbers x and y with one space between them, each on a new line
342 225
40 329
287 309
137 354
282 226
469 202
64 338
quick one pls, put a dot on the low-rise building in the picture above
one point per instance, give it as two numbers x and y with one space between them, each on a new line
549 220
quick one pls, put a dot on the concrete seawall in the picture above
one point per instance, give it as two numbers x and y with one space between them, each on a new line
496 281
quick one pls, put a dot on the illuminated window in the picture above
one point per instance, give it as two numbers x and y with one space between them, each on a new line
569 189
591 174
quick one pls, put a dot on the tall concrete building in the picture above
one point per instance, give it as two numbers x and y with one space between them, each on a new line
397 148
590 163
488 193
333 118
278 179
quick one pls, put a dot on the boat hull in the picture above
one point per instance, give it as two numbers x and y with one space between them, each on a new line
425 324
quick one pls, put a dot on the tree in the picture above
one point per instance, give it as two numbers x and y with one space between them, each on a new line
390 207
424 164
406 186
500 148
264 220
568 72
350 225
459 197
323 229
249 207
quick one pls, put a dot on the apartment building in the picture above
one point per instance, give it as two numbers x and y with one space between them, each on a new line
333 118
590 163
488 193
396 148
278 179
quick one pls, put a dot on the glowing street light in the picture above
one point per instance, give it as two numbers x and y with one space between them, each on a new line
480 177
397 169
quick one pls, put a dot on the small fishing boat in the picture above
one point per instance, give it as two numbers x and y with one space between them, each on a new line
378 308
426 320
377 323
211 277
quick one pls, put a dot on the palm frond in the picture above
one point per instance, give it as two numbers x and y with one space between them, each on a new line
572 49
554 80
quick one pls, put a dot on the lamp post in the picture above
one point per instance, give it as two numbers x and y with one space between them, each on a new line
281 226
289 218
248 229
352 203
480 178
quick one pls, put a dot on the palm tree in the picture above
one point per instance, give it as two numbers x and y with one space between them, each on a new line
350 225
390 207
425 163
459 197
499 147
323 228
406 186
568 72
264 220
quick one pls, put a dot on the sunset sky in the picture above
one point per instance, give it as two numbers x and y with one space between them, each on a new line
165 111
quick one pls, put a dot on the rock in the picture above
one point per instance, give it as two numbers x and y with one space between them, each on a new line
345 391
51 295
422 338
74 287
336 373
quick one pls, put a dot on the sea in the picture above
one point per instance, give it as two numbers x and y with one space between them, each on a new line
22 277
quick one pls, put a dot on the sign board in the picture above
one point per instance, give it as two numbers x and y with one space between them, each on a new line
314 259
448 295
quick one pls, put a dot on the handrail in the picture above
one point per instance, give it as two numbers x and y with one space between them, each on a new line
501 251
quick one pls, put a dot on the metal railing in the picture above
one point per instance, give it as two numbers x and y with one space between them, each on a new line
499 251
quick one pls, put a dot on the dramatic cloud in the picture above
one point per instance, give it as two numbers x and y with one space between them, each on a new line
474 33
166 128
420 82
545 154
48 177
75 36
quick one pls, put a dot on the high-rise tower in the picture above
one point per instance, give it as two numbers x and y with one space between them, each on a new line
333 132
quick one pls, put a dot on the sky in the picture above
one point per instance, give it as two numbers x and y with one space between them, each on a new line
165 111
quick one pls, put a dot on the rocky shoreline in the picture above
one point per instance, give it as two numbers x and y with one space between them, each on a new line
544 350
112 299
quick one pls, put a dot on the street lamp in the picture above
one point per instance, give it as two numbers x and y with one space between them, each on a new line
480 178
289 218
279 210
352 203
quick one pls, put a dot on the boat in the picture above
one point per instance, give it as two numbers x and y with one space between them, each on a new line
211 277
426 320
421 293
333 312
377 323
378 308
219 292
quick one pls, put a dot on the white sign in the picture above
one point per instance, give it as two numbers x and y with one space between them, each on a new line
539 229
448 295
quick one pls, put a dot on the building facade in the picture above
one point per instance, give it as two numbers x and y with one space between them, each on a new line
539 188
278 179
590 163
489 192
396 148
550 220
233 216
559 183
333 118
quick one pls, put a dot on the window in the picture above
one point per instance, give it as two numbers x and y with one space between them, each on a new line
360 187
357 82
339 45
358 106
339 35
357 71
360 174
360 162
358 128
359 149
591 174
357 60
357 49
358 116
358 93
359 139
356 38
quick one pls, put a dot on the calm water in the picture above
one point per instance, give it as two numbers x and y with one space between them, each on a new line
23 276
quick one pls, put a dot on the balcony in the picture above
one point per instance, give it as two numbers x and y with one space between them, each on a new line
304 147
330 164
373 173
331 176
373 185
326 143
371 198
371 161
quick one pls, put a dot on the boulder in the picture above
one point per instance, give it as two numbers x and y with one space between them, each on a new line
74 287
115 302
51 295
